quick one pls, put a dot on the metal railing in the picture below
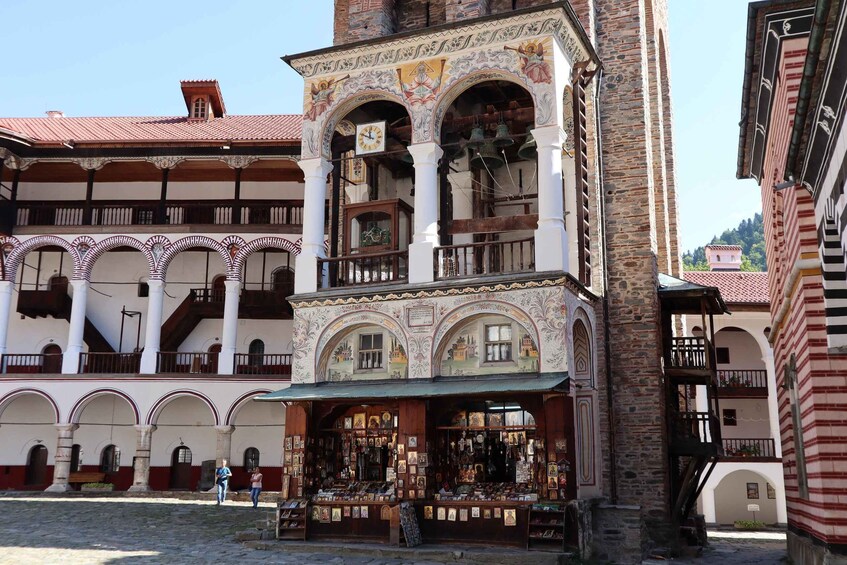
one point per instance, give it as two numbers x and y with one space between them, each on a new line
742 378
487 258
264 364
371 268
689 353
187 362
115 363
746 447
31 363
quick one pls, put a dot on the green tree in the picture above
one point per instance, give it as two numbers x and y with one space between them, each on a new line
750 235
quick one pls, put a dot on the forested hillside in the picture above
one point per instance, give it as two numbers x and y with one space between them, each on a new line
750 235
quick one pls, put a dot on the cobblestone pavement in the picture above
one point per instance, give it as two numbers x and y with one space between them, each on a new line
75 530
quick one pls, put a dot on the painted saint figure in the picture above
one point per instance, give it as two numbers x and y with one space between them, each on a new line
533 64
321 96
424 85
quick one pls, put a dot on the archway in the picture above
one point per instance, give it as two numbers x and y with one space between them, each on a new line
36 467
259 426
52 360
583 363
180 469
740 488
27 420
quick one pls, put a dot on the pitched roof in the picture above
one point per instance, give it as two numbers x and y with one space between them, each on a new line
174 129
722 247
736 287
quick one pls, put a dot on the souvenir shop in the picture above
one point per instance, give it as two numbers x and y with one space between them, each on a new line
488 459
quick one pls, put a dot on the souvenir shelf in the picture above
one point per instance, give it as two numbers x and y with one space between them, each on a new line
546 528
291 519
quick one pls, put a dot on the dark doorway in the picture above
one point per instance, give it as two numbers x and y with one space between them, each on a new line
75 462
181 468
219 289
214 352
52 359
36 466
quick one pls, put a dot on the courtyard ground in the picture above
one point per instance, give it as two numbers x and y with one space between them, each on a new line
71 530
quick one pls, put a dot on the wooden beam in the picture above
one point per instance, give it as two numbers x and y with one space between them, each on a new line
494 225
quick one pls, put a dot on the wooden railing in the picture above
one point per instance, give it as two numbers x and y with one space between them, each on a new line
689 353
174 212
743 378
749 448
115 363
265 364
697 426
207 295
31 363
494 257
371 268
187 362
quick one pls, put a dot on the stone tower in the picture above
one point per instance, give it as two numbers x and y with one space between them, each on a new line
630 191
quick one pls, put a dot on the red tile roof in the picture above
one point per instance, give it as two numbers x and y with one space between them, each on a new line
279 127
736 287
722 247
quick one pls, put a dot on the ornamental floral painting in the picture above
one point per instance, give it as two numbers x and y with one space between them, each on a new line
531 55
488 346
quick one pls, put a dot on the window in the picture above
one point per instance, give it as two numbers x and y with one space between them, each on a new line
143 290
110 459
76 458
251 458
199 109
257 352
370 351
730 417
182 455
498 343
722 354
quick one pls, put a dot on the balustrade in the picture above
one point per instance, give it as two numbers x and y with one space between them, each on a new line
370 268
486 258
31 363
749 448
187 362
278 364
115 363
689 353
743 378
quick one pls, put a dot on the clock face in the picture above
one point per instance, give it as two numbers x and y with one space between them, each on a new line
370 138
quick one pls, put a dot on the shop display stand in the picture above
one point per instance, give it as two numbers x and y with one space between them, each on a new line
546 530
291 520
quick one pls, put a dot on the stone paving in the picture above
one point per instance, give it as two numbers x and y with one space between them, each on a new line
71 530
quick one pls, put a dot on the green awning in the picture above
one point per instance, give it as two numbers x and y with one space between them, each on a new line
422 388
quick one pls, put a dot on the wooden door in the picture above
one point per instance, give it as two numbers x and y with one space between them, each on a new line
52 359
181 468
212 361
36 466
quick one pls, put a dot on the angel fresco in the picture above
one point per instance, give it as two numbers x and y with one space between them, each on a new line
321 94
424 84
533 64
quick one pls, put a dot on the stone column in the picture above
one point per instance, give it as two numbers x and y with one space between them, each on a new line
6 288
314 212
62 460
773 402
550 235
421 260
223 446
141 462
229 335
70 360
153 330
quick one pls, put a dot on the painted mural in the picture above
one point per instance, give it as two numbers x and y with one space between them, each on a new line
321 95
532 61
491 345
420 82
369 353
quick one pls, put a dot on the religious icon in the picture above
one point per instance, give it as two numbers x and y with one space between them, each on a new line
373 423
497 512
336 514
423 459
288 443
412 457
486 513
752 491
401 467
348 423
451 514
355 512
533 65
427 512
364 512
413 469
463 514
316 513
510 517
420 82
477 419
421 482
359 421
401 449
475 512
441 513
552 483
412 494
346 511
386 419
324 514
413 442
321 95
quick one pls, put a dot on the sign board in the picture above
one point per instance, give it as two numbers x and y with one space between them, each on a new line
409 523
420 316
752 508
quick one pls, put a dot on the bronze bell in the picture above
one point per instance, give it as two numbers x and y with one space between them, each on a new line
503 137
487 157
407 158
477 138
529 149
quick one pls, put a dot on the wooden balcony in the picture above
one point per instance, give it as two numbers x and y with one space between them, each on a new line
109 363
694 433
743 383
689 360
203 363
363 269
172 212
487 258
749 449
41 303
31 363
273 364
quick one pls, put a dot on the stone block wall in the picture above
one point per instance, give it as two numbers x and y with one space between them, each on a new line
458 10
369 19
619 534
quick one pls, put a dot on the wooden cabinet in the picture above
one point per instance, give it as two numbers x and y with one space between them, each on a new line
546 530
291 519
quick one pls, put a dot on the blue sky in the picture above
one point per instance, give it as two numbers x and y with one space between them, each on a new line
96 58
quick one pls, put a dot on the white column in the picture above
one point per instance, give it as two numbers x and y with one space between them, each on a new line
773 403
223 446
707 502
141 462
462 185
153 331
70 360
229 336
551 242
781 507
421 260
314 202
62 460
702 404
6 288
573 210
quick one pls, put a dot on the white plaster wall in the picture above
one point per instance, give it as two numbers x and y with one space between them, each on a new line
744 352
106 420
731 499
192 421
51 191
126 190
26 420
753 419
260 425
276 190
114 285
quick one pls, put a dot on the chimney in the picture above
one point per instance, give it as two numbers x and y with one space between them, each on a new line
724 257
55 114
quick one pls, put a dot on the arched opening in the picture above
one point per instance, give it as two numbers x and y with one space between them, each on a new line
488 183
258 426
738 490
372 195
183 420
52 360
740 360
583 366
485 345
257 352
219 288
251 459
110 459
364 352
76 457
36 466
268 280
181 468
27 419
106 429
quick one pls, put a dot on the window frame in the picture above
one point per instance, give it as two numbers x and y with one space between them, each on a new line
510 343
248 459
112 464
380 350
729 417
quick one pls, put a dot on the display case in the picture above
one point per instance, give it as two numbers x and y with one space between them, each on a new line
291 517
377 226
546 528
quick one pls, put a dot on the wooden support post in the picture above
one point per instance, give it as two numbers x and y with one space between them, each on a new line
162 211
89 195
236 207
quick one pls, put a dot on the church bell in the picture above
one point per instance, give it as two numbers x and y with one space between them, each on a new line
503 137
529 149
487 157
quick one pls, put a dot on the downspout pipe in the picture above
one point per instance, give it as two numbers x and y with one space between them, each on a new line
607 334
813 51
